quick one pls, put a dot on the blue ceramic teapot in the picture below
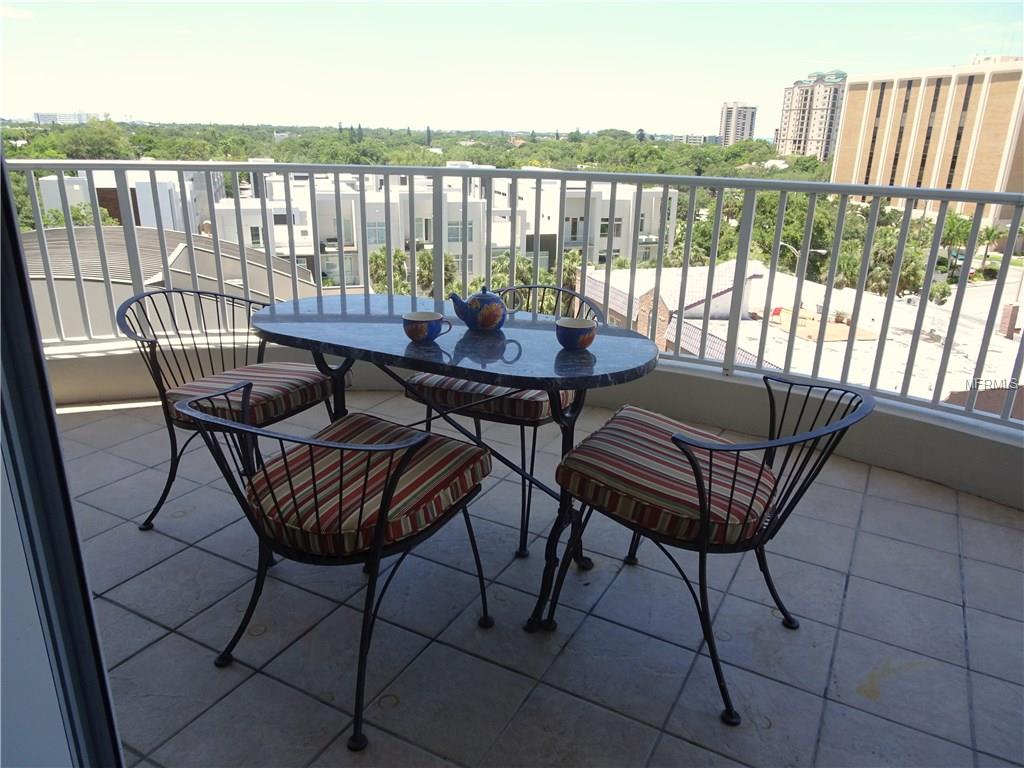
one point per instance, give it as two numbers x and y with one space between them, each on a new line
483 311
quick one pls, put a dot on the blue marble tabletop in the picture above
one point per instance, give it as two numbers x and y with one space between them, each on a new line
524 355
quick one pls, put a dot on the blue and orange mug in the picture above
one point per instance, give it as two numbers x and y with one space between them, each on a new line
424 327
575 333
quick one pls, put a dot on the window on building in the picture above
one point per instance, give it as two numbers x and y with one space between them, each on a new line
575 228
455 231
618 227
254 236
874 132
928 132
642 217
423 229
376 233
280 218
959 132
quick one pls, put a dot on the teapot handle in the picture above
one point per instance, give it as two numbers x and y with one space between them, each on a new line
519 352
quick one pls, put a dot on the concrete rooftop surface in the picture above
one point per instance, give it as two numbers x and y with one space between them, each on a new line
910 650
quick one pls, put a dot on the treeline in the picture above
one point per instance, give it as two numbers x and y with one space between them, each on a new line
608 150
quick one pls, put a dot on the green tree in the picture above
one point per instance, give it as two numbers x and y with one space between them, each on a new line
955 234
96 140
641 135
81 216
430 138
988 237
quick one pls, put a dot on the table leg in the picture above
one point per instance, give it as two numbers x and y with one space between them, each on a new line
566 420
337 376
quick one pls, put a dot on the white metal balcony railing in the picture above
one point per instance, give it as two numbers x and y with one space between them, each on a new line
739 310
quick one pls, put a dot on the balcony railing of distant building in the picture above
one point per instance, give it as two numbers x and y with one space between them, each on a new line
710 278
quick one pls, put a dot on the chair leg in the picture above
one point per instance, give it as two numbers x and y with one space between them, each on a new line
485 621
525 492
634 545
729 715
477 428
430 419
788 621
358 741
225 656
147 524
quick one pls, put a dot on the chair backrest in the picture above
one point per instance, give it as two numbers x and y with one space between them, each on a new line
184 335
550 300
292 488
762 482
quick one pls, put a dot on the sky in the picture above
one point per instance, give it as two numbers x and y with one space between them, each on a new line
664 67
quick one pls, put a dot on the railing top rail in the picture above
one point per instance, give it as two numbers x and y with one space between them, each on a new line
739 183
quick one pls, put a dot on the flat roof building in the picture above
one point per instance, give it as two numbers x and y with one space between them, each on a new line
951 128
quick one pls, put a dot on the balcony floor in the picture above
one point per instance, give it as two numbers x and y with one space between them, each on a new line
910 597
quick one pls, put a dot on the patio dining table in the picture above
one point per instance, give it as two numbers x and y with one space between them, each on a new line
524 355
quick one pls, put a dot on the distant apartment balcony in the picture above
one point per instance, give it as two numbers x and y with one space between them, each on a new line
903 561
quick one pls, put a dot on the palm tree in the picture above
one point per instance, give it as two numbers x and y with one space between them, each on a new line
989 236
954 234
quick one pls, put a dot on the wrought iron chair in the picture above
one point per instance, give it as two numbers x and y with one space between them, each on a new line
358 491
527 409
199 342
724 498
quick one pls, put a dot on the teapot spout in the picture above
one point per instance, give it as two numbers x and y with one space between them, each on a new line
459 304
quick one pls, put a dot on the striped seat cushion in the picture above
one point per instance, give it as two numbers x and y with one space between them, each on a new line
528 406
631 469
325 501
278 390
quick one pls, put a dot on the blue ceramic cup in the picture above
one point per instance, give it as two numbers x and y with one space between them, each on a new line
575 333
424 327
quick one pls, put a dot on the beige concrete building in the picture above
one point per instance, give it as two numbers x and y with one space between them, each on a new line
736 122
953 128
811 109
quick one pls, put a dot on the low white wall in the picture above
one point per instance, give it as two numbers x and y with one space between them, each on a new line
984 460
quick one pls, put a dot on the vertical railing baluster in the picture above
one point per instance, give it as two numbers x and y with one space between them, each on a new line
161 238
801 274
608 252
412 238
44 254
537 191
922 306
1013 392
76 266
833 265
440 234
560 238
464 235
691 212
268 236
487 185
958 302
634 253
780 222
388 242
894 281
364 240
314 227
243 258
862 279
659 266
514 211
716 232
189 240
588 192
215 235
290 229
101 245
993 311
740 275
340 234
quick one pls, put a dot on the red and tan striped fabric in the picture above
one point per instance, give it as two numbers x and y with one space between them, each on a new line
326 502
529 406
278 390
631 469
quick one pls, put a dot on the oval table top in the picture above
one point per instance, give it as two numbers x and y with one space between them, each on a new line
524 355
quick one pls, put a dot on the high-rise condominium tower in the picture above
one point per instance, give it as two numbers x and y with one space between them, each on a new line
810 115
737 122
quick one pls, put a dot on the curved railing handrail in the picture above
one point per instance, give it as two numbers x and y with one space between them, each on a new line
737 183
